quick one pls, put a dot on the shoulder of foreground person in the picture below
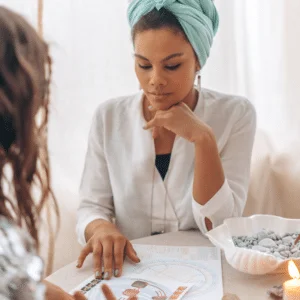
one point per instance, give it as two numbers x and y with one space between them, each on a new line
21 267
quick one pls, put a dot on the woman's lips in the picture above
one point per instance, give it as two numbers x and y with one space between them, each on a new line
159 96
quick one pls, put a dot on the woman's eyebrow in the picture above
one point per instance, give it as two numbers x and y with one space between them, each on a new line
163 60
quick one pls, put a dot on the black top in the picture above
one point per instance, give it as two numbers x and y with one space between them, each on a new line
162 162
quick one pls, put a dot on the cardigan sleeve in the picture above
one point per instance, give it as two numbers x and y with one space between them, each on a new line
96 198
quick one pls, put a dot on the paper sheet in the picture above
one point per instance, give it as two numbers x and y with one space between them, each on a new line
165 272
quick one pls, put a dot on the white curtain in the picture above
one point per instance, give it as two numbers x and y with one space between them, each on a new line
255 54
248 57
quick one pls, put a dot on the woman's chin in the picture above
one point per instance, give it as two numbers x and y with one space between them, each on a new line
161 106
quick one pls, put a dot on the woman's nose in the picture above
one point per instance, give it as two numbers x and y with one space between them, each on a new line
157 79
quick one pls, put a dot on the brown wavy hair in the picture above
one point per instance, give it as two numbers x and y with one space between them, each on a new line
25 73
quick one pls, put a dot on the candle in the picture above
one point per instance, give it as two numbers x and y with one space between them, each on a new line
291 288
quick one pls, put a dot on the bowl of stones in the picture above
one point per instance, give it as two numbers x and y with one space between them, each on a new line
260 244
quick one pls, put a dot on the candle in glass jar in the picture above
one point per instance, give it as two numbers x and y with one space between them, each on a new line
291 288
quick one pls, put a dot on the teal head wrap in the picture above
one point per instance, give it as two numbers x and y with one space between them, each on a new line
198 18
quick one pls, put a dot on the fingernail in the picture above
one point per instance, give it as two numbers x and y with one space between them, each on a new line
78 265
116 273
102 270
98 275
106 275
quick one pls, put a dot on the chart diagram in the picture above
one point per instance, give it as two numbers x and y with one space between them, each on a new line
165 273
202 278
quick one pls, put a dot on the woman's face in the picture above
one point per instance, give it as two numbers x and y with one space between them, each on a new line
165 65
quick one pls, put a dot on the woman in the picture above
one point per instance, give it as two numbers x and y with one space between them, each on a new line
25 71
193 170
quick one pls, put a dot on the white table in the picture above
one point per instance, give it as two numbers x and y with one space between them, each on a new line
244 285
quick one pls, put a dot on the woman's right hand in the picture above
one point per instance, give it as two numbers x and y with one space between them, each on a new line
107 292
109 248
54 292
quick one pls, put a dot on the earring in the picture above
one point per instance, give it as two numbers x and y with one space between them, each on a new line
199 81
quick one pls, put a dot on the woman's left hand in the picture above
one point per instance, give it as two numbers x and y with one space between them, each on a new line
181 120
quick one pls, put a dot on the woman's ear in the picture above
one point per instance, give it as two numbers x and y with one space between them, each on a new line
198 67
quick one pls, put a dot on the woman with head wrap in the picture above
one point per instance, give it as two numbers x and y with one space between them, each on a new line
171 157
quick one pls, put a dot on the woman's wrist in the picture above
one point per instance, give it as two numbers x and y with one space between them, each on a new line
203 137
94 226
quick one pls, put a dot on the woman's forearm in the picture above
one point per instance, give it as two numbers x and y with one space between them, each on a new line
208 171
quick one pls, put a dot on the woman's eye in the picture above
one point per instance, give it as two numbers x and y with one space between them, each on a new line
172 68
144 67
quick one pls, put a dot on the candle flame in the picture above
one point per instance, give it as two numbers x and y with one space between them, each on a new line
293 270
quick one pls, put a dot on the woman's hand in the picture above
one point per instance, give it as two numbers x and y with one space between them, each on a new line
181 120
109 248
53 292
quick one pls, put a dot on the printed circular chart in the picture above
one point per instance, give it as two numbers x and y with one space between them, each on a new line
203 279
131 289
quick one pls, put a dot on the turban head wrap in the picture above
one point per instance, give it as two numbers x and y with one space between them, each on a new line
198 18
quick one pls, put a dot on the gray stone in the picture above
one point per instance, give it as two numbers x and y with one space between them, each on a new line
262 235
293 250
284 254
281 247
277 254
267 243
288 240
241 244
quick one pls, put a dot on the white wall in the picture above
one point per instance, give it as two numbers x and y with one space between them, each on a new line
292 60
92 63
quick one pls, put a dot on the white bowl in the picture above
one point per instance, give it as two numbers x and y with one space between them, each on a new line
248 260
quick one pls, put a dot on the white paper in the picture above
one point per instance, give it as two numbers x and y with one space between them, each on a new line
194 272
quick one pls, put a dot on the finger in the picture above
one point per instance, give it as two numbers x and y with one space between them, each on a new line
97 258
119 246
83 254
149 125
130 252
108 294
79 296
157 121
155 132
107 258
